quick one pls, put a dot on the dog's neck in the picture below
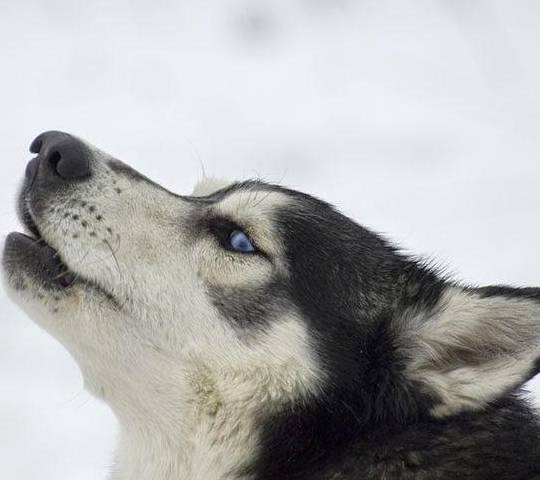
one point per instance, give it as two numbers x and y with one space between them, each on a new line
201 453
202 426
186 431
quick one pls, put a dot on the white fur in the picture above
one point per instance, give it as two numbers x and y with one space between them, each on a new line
502 334
184 384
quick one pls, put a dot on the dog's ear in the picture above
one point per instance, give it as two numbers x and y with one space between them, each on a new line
474 346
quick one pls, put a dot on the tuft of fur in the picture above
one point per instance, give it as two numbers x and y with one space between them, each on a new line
209 185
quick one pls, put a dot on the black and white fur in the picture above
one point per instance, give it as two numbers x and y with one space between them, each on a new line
325 355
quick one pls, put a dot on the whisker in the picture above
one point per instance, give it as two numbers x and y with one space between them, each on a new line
120 271
106 242
263 199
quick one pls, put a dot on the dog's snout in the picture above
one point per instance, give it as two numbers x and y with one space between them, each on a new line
60 154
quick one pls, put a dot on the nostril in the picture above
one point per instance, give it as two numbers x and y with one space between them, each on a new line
54 160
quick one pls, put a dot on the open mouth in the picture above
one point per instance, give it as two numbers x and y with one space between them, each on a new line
30 252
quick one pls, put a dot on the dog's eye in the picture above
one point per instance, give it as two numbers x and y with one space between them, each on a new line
240 242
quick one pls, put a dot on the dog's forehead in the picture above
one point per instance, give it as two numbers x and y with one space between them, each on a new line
248 203
252 204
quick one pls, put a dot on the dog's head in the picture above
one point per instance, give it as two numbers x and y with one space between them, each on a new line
250 289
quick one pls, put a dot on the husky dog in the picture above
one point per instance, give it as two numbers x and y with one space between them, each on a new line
252 332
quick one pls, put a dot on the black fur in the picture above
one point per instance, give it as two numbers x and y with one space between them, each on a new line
249 308
371 422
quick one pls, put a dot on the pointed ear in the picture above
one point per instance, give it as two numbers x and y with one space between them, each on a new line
474 346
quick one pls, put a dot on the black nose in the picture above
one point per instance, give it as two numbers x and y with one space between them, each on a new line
61 154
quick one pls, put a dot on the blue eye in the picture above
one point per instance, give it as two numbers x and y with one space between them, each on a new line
240 242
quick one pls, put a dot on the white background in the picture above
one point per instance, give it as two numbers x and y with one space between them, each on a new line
421 119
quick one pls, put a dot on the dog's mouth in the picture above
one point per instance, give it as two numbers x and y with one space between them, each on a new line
31 252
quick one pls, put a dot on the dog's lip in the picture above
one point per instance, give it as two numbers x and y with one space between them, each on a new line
46 258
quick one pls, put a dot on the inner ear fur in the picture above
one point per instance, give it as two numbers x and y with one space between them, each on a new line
474 346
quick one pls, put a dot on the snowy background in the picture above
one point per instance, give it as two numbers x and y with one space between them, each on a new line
421 119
